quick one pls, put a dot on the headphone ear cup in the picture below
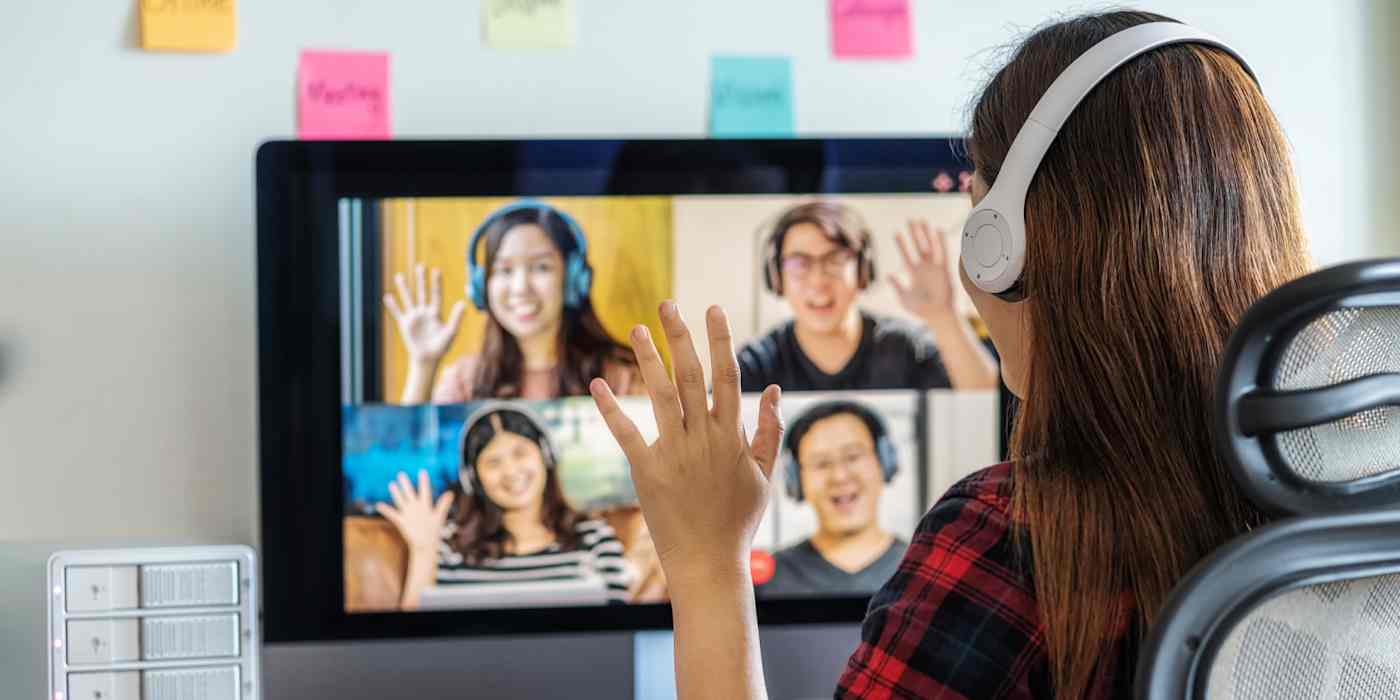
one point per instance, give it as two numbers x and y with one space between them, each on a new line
465 478
792 481
867 269
478 288
888 456
579 281
547 451
772 271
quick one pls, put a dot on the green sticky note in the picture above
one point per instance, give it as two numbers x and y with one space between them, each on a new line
751 96
528 24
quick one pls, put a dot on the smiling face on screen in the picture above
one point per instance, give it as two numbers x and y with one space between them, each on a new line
841 475
819 275
525 285
511 470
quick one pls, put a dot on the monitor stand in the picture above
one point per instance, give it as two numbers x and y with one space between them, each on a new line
654 665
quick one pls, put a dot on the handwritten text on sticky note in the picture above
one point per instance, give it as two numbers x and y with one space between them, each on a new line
751 96
528 24
343 95
870 29
188 25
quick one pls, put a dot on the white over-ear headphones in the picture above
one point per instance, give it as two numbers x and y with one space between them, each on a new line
994 237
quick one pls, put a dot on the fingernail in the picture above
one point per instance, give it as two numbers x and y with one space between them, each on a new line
639 333
668 309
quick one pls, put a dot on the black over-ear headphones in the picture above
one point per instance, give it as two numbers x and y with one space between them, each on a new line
884 447
466 471
818 212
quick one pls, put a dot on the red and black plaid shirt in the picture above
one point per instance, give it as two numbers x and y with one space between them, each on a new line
959 618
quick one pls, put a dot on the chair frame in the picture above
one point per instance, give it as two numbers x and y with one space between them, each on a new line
1249 413
1219 592
1339 531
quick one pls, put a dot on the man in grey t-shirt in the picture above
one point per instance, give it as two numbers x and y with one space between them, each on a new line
838 458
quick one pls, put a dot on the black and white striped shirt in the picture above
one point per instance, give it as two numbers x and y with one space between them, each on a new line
599 555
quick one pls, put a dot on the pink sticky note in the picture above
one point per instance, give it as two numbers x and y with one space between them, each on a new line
870 29
343 95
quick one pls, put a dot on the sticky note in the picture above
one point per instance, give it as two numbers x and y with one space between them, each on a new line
343 95
750 96
528 24
871 29
188 25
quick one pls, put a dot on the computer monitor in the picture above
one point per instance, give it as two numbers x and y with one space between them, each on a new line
430 314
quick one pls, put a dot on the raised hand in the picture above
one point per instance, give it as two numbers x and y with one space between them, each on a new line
929 293
418 519
424 334
702 484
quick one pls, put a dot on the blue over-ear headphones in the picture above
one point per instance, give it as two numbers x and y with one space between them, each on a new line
578 275
885 450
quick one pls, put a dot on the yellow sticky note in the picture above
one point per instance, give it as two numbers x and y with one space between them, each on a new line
528 24
188 25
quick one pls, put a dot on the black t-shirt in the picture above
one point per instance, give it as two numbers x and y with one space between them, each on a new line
892 354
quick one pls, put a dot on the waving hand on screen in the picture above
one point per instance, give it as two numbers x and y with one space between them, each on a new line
929 292
419 521
930 296
425 335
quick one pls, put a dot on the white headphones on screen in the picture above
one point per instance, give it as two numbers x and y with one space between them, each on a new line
994 237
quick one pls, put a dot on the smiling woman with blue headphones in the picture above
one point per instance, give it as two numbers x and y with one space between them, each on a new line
542 338
1133 196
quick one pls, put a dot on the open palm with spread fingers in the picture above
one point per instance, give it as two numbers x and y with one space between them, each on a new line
425 335
928 294
419 520
414 514
703 485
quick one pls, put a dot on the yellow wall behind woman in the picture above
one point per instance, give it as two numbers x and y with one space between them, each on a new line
629 248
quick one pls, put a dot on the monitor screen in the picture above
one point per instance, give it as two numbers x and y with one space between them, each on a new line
477 480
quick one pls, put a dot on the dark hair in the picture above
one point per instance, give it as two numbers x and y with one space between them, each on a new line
842 225
1164 208
584 346
803 424
481 533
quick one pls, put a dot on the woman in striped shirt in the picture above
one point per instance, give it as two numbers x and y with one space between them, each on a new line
514 525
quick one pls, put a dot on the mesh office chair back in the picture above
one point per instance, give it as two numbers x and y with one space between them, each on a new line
1309 412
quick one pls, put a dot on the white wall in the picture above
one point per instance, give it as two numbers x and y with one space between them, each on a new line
127 287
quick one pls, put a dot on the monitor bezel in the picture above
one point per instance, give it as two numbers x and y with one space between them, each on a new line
298 184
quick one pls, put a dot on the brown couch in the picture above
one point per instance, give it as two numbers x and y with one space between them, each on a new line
376 559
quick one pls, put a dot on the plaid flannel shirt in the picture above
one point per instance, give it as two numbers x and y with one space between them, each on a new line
959 618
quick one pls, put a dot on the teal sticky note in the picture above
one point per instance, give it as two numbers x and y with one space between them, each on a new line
751 96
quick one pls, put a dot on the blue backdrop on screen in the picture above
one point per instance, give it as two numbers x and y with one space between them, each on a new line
381 443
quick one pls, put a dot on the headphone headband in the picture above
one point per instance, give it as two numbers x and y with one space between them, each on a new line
994 238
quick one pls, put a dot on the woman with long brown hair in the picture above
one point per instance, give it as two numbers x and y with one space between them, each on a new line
542 338
512 524
1163 208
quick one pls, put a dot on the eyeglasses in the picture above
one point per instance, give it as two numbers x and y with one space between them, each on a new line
834 263
850 458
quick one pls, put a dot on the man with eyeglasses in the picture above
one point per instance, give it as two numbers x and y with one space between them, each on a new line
837 457
819 258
